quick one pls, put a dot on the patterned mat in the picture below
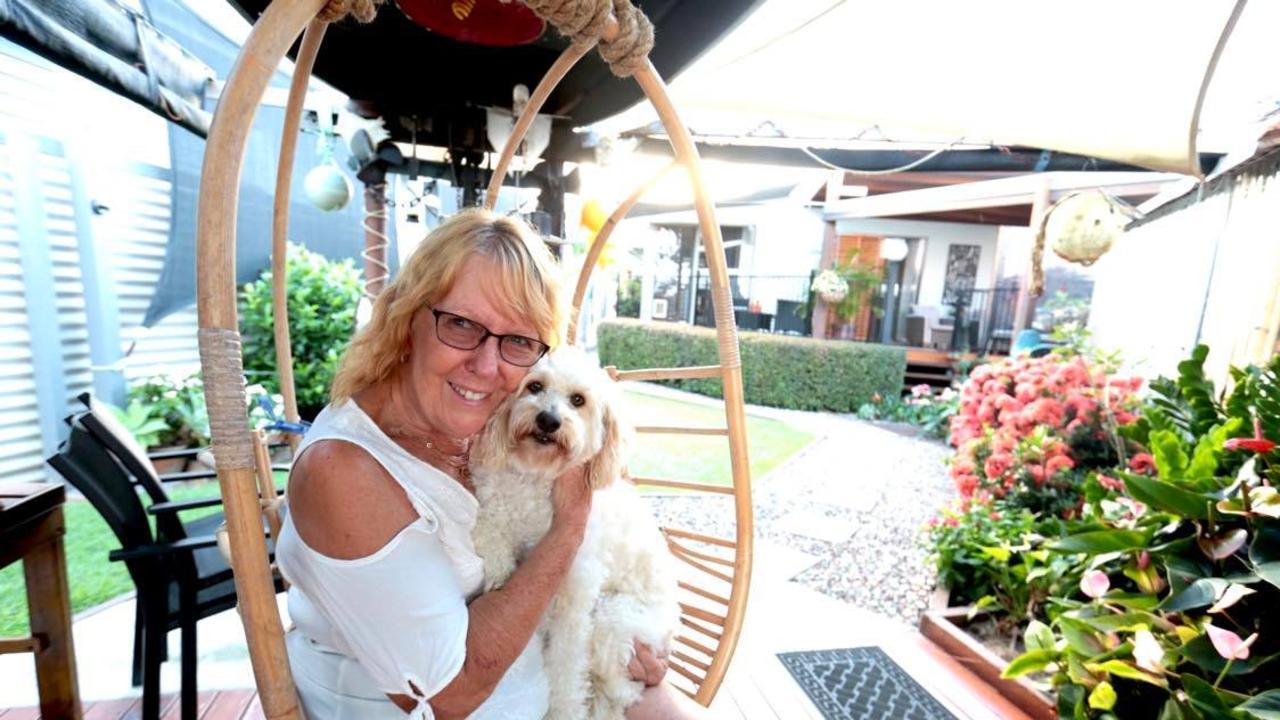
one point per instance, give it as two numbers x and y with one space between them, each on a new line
861 684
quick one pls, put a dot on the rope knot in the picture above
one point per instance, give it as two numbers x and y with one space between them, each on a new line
363 11
629 51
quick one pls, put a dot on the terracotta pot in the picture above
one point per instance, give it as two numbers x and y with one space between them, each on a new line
945 628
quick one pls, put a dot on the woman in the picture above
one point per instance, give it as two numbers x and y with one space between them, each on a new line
385 582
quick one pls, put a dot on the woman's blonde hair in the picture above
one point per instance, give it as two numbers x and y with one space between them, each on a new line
526 281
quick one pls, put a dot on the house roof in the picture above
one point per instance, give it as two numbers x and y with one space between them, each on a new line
989 201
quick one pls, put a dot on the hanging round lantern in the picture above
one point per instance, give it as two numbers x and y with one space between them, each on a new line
1081 227
327 187
483 22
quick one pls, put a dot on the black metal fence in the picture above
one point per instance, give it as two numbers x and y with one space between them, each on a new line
983 319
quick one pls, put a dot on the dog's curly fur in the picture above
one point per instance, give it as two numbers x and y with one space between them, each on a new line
622 585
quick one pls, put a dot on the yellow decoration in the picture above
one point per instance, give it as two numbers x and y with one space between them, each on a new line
593 216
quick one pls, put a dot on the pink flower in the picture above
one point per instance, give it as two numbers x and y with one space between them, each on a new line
1230 597
1147 651
997 465
1228 644
1058 462
1143 463
921 390
1110 483
1095 584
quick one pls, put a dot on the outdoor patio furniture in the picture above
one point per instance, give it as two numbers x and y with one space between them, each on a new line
31 530
180 575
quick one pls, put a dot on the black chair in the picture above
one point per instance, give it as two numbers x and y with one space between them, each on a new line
180 575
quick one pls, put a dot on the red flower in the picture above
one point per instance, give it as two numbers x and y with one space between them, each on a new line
1257 445
1142 463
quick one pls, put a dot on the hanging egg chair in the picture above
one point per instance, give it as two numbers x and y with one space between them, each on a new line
718 569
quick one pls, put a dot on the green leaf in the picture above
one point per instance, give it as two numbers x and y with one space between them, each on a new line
1038 636
1171 459
1200 593
1205 698
1264 553
1120 668
998 554
1173 710
1080 637
1030 661
1133 601
1265 705
1167 496
1071 702
1208 452
1103 696
1097 542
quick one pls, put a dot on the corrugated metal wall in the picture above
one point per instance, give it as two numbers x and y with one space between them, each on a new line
84 220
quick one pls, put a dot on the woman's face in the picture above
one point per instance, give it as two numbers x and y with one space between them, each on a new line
458 389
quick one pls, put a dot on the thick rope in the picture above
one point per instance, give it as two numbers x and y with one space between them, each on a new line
583 22
223 371
629 51
362 10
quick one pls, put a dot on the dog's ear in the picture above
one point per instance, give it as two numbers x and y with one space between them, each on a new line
608 464
490 448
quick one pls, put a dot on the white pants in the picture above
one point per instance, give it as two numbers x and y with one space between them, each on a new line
333 686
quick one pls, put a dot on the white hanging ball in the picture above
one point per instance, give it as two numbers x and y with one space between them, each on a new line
327 187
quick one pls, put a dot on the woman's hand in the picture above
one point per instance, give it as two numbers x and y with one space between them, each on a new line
571 498
647 666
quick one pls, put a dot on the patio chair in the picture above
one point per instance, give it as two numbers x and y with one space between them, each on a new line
179 574
714 594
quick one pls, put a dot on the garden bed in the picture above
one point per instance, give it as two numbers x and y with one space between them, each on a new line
949 629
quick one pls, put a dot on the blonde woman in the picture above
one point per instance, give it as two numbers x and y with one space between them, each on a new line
385 595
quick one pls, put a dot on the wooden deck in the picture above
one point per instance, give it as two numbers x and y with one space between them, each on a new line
214 705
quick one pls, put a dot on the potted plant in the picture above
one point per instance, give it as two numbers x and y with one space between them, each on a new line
846 286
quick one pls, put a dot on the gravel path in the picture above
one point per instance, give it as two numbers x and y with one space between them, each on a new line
854 502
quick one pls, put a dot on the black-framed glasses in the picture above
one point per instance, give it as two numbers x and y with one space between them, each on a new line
463 333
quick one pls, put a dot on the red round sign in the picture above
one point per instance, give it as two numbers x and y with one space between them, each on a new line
483 22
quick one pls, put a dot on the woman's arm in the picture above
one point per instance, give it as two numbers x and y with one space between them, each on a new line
345 505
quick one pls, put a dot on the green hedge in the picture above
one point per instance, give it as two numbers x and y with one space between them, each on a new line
777 370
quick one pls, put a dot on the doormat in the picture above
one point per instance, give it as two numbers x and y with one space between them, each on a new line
861 684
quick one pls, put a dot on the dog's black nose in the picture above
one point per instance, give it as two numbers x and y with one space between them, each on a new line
547 422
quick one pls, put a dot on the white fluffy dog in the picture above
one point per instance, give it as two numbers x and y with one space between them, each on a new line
622 585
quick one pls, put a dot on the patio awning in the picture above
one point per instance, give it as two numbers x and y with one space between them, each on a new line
1119 81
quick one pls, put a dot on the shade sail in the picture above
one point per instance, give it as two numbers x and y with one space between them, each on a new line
1113 80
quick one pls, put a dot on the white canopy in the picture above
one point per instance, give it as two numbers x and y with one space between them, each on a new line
1117 80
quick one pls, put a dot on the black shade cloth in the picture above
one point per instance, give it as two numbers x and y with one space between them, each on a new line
335 235
861 684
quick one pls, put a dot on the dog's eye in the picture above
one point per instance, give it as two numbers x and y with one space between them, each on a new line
577 400
534 387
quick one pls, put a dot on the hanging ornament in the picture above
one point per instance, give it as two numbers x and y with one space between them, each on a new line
1082 226
483 22
325 185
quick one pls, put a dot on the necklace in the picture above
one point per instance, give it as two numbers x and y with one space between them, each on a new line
448 454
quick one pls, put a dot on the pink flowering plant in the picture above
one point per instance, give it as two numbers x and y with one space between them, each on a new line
1027 430
1173 615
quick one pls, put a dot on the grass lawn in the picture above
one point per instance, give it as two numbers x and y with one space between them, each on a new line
693 458
702 458
93 578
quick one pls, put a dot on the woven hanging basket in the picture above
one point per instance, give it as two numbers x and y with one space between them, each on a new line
1082 227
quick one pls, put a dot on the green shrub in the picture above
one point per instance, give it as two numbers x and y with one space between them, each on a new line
322 299
777 370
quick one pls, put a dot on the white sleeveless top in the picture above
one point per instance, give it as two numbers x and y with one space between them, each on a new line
401 612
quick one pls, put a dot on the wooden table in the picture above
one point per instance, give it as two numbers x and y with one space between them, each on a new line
31 530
